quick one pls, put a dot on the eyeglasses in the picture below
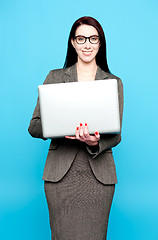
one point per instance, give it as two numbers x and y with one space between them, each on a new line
82 39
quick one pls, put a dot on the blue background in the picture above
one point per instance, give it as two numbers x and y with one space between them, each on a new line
33 41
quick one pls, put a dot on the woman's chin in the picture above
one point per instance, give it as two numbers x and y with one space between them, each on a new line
87 59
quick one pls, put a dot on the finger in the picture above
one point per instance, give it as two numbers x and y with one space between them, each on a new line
77 132
86 132
81 131
97 135
70 137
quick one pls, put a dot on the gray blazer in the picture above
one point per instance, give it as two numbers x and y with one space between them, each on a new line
62 151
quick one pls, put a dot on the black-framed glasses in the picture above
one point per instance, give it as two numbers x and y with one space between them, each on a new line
94 39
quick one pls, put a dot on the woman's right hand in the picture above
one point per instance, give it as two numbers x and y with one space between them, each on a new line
82 134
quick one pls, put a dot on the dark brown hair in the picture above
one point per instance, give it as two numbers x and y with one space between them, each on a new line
71 57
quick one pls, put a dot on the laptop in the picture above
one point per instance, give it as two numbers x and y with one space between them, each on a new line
64 106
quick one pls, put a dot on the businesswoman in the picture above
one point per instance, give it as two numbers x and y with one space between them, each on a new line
79 174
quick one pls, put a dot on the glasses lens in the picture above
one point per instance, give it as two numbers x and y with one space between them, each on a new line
80 39
94 39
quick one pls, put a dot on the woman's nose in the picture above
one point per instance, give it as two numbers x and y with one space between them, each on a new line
87 43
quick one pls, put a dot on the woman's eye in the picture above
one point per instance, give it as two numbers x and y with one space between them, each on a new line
81 39
93 38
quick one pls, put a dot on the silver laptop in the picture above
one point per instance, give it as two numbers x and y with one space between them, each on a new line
64 106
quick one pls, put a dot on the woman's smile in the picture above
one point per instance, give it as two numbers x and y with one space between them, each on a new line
87 53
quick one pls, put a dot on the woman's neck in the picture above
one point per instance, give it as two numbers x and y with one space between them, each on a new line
86 71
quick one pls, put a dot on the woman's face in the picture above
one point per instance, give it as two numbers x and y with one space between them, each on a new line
86 52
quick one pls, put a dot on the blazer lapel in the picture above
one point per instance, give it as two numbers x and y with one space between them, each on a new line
100 74
71 74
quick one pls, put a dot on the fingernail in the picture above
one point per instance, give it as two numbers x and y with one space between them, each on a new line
80 124
96 133
77 128
85 124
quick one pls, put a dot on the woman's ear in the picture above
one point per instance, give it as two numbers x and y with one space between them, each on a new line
72 42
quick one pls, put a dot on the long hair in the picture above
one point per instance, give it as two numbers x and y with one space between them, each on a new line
101 59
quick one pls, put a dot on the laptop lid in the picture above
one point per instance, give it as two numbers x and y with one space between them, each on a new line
64 106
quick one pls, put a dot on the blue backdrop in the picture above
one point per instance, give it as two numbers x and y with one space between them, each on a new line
33 41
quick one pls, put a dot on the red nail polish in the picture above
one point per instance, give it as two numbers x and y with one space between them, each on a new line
80 124
77 128
96 133
85 124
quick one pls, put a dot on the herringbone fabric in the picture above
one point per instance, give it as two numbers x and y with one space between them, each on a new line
79 204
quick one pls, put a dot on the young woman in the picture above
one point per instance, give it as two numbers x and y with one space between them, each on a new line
80 173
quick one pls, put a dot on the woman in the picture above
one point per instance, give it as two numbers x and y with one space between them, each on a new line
80 173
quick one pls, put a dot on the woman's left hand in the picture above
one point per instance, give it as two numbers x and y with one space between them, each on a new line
83 135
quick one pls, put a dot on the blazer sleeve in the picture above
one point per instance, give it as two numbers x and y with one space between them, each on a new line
108 141
35 127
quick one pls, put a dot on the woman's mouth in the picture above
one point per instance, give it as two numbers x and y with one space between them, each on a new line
87 53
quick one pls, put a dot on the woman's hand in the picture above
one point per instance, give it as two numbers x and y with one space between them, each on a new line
83 135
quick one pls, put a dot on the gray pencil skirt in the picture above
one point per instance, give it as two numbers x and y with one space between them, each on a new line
79 205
